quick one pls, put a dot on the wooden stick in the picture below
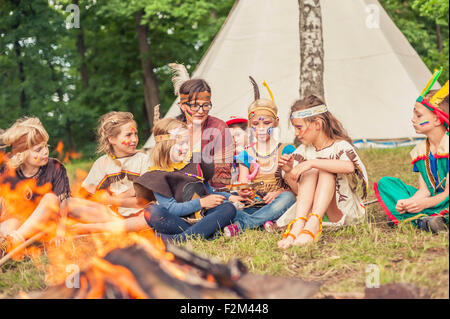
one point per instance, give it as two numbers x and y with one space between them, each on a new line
370 202
23 245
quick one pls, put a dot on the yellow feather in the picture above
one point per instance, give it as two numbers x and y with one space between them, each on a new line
440 95
270 92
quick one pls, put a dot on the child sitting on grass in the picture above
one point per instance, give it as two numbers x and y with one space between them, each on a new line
187 204
238 130
427 206
325 174
275 196
33 187
113 206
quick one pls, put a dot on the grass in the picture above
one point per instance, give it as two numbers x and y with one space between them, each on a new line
339 260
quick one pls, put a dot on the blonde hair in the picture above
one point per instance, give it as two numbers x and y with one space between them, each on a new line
109 126
263 104
160 153
25 133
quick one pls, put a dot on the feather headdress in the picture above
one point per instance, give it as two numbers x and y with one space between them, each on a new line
433 103
179 76
255 88
269 90
261 104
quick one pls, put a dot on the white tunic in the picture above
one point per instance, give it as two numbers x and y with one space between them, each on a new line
106 174
347 199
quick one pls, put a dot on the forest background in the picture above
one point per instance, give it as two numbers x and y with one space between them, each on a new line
117 58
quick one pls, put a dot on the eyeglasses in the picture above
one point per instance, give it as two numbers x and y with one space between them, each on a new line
195 107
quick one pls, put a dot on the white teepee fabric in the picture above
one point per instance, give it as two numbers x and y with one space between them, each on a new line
372 75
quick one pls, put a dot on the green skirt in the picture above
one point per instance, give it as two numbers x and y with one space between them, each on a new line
389 190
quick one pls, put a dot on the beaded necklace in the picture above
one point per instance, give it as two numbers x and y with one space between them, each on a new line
199 172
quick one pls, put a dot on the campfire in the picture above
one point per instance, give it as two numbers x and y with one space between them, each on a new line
134 265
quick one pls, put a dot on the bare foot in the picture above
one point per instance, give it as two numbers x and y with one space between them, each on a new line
285 242
289 240
303 239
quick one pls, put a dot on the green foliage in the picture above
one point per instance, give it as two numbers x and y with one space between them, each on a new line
41 59
417 19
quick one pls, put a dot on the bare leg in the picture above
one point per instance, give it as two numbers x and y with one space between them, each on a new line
8 226
137 223
88 212
323 196
47 209
132 224
333 212
306 189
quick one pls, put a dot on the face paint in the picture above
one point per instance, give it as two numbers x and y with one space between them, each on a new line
133 129
126 143
424 123
261 118
188 114
270 130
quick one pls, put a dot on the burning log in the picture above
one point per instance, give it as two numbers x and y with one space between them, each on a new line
132 272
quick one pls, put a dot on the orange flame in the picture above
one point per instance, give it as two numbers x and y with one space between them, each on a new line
88 250
65 157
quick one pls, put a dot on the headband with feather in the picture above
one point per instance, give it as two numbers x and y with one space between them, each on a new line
255 88
179 76
257 97
432 104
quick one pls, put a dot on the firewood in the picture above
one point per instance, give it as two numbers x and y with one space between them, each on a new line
155 278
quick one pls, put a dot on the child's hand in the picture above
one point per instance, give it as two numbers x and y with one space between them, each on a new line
245 193
211 201
270 197
240 199
129 193
286 162
415 206
299 169
400 206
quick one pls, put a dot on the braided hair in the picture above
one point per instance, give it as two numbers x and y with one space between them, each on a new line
109 126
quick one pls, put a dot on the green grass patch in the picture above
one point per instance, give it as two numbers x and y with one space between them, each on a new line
339 260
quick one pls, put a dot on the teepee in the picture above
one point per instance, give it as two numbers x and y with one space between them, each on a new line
370 74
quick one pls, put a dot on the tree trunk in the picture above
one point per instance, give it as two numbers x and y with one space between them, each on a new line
81 48
151 92
311 49
22 97
439 37
60 94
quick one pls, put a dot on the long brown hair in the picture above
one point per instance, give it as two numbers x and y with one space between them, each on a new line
444 103
330 125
